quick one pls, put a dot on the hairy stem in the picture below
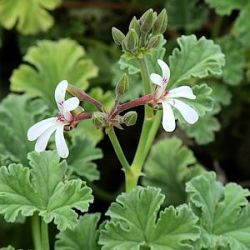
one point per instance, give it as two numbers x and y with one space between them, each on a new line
36 234
45 235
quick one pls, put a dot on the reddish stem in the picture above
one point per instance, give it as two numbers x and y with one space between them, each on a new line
83 116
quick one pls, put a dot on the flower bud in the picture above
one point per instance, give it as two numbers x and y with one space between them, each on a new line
134 24
161 23
99 119
129 119
154 41
147 21
118 36
131 41
122 85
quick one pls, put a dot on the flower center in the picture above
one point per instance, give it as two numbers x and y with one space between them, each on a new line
61 118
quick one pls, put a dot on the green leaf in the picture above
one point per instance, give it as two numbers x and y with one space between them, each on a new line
241 28
135 223
30 16
83 236
18 114
7 248
195 58
170 175
80 160
223 213
45 66
44 189
187 15
235 60
225 7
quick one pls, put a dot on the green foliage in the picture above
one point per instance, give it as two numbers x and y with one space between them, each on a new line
135 223
235 60
223 213
30 16
7 248
80 160
83 236
42 189
188 15
195 58
45 66
170 175
18 113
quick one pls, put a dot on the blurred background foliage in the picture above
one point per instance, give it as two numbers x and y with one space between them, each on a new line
45 41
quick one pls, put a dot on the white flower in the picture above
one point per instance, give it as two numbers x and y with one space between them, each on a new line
43 130
170 98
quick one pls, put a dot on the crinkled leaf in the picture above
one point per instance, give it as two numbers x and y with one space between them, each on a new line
170 175
30 16
187 14
223 213
18 113
83 236
44 189
135 223
50 62
225 7
82 154
195 58
235 60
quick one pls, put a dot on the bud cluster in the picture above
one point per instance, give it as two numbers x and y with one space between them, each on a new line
144 34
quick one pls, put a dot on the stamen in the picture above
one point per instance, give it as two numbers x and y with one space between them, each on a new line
61 118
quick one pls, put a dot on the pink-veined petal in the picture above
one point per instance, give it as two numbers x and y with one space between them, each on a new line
60 92
61 145
36 130
43 139
71 104
168 120
188 113
156 79
165 70
183 91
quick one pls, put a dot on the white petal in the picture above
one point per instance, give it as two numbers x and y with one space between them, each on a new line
36 130
168 120
188 113
60 91
61 145
43 139
156 79
71 104
183 91
165 69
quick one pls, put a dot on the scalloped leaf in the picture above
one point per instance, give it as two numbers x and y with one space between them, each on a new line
45 66
223 213
195 58
44 189
30 16
170 175
135 223
83 236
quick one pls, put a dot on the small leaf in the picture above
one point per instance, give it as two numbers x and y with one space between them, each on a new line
83 236
45 66
30 16
135 224
195 58
170 175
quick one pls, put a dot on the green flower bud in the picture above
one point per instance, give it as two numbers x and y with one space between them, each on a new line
154 41
147 21
131 41
122 85
118 36
99 119
130 118
134 24
161 23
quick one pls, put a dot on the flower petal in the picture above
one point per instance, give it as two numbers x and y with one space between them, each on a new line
183 91
188 113
168 120
43 139
36 130
71 104
165 69
61 145
156 79
60 91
